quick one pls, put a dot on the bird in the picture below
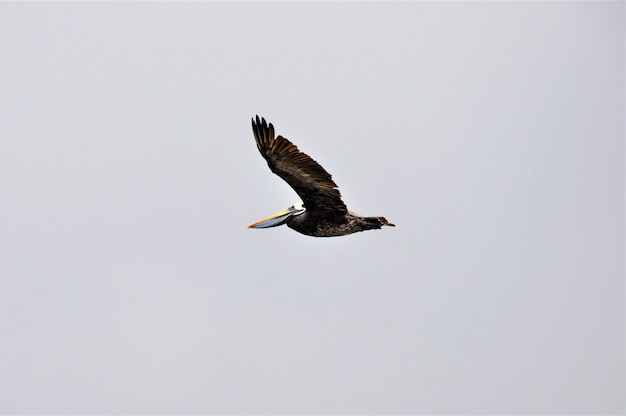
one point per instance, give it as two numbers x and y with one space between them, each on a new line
322 212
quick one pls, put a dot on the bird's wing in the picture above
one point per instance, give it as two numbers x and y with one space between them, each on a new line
310 181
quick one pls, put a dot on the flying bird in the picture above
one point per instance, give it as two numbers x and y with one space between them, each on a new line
322 213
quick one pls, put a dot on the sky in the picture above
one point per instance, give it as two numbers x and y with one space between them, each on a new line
491 134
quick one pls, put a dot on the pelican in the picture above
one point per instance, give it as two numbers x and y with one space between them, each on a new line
322 213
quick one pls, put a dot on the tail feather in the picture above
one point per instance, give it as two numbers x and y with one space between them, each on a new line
379 221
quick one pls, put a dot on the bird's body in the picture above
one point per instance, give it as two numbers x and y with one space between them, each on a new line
342 224
323 213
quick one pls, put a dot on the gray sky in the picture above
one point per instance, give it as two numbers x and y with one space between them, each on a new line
491 134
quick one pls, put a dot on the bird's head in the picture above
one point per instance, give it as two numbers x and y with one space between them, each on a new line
279 218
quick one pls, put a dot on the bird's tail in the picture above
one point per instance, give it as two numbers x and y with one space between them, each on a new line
378 221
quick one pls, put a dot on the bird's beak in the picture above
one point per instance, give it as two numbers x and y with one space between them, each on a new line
274 220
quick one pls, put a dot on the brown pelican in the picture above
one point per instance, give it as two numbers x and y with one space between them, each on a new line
323 213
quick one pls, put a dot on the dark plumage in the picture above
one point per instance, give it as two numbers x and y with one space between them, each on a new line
323 213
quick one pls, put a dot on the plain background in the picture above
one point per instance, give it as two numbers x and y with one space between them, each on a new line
491 134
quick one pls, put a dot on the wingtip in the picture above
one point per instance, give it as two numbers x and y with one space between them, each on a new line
260 122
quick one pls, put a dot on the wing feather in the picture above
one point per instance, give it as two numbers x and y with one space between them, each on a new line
310 181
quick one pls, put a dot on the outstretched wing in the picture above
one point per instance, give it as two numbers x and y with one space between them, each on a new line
310 181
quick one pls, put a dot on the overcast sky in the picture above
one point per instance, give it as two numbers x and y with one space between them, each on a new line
491 134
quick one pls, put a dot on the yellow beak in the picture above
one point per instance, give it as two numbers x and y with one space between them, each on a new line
273 221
